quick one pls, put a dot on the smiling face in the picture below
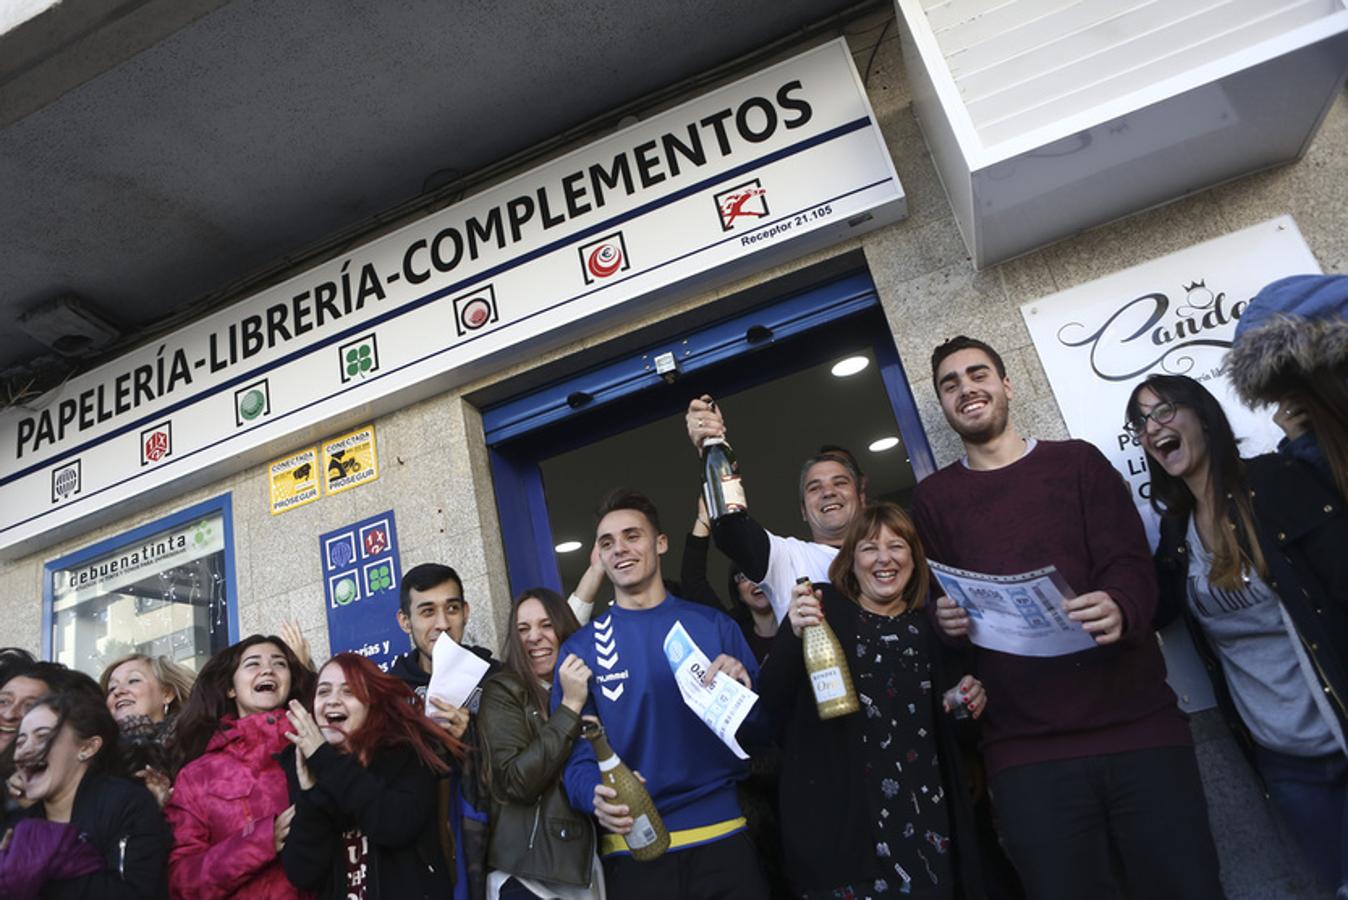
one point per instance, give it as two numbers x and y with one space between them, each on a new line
630 550
17 696
48 760
750 594
261 680
1179 444
437 610
337 710
882 564
831 498
975 399
537 637
134 690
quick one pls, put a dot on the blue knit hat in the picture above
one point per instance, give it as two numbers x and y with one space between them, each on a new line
1307 296
1293 328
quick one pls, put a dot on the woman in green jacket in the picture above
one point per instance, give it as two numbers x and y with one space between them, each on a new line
539 845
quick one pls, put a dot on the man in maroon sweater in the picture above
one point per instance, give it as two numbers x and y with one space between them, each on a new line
1090 761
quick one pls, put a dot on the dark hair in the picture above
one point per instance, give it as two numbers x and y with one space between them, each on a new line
516 658
392 717
867 525
86 714
963 342
423 578
210 703
56 676
1324 395
1236 546
622 498
13 660
843 459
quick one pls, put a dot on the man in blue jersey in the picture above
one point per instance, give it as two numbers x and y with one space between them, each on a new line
689 772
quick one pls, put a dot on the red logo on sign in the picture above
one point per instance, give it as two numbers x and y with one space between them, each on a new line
604 260
736 205
376 541
156 446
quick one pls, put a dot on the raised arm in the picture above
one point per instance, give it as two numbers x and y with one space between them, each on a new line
523 766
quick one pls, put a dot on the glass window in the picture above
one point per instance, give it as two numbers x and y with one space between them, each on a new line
163 590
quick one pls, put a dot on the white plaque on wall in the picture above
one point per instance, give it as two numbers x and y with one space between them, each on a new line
1174 315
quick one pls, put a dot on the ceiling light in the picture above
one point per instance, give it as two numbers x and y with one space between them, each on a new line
567 547
850 366
885 443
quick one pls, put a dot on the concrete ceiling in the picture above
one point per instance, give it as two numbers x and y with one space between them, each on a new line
157 155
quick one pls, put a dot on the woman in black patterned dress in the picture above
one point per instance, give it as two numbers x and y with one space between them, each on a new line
873 804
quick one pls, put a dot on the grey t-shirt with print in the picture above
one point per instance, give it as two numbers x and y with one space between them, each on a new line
1271 689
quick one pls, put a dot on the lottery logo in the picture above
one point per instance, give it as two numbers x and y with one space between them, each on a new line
748 201
66 481
252 402
604 258
156 443
476 310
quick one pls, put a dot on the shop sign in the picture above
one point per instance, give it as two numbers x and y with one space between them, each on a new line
1174 315
360 587
350 460
777 164
293 481
133 563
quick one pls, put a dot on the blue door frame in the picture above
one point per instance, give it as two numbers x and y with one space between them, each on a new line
780 338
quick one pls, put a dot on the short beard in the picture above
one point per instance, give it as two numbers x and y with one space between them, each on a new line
1001 415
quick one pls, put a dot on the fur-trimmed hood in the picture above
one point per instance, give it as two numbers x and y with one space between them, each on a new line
1282 346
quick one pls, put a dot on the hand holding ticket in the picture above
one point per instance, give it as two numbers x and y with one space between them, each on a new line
724 703
455 672
1031 614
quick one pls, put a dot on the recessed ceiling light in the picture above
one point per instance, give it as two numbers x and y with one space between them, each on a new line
850 366
885 443
567 547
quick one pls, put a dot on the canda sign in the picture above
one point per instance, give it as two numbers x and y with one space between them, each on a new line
781 162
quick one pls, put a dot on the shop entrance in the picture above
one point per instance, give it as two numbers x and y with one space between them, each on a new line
815 369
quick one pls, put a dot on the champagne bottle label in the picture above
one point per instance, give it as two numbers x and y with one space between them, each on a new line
642 833
732 491
827 684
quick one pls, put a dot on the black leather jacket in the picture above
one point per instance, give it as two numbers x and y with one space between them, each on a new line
534 831
1303 532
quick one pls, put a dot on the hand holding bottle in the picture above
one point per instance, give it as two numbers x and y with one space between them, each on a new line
704 420
806 607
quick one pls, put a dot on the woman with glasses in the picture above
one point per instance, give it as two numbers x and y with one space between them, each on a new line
1252 552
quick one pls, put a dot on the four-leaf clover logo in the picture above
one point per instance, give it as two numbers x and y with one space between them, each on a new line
378 578
359 360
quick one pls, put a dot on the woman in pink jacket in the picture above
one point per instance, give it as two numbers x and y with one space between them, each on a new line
230 809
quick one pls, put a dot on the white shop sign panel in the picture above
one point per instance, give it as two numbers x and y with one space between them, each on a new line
1175 315
778 163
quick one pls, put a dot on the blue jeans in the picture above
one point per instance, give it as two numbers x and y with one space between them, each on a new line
1311 794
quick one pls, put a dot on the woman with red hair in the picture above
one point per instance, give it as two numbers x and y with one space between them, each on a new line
363 776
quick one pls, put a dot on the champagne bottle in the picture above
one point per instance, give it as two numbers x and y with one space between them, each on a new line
721 486
648 838
830 677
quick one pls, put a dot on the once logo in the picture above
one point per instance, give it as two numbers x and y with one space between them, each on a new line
475 310
604 258
748 200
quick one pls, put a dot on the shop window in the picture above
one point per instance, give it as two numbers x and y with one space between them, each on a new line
164 589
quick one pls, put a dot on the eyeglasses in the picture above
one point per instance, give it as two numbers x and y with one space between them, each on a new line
1161 414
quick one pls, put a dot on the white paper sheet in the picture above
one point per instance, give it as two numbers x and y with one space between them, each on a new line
724 705
455 672
1021 614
